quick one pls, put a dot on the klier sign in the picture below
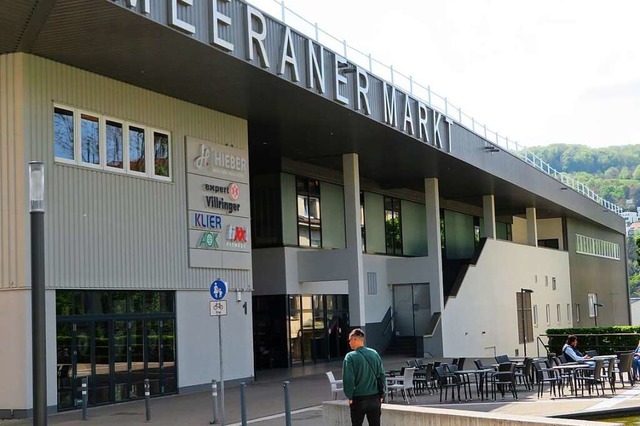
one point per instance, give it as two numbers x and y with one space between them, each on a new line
218 205
244 32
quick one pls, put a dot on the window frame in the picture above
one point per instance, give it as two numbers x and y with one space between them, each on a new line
149 141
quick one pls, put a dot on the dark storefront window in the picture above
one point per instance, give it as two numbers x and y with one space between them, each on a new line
297 329
308 201
392 225
116 339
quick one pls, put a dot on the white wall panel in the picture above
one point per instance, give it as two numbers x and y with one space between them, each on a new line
484 315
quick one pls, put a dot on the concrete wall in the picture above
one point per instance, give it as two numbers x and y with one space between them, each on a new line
197 339
483 317
551 229
337 414
519 230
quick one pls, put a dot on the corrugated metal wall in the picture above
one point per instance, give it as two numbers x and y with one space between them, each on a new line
13 212
107 230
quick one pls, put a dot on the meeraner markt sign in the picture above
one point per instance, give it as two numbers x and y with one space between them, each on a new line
245 32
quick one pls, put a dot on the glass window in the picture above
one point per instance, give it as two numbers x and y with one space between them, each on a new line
548 314
115 144
90 139
161 154
363 232
568 312
535 315
577 312
136 149
392 225
309 222
558 315
63 134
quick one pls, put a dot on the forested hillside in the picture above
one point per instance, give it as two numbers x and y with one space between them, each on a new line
612 172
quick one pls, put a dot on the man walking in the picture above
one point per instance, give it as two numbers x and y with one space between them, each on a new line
363 380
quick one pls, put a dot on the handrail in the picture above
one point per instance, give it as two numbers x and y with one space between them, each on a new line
437 102
391 317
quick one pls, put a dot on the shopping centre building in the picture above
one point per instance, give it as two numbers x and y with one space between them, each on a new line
188 141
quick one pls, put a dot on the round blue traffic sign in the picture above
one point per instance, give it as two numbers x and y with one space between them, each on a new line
218 289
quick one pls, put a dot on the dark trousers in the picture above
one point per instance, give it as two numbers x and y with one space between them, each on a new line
366 405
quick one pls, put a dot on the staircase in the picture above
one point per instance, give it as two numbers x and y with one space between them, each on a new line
402 345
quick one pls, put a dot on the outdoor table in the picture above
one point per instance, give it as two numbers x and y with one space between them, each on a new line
572 367
481 378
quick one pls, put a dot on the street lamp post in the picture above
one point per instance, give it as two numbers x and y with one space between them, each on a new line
524 291
38 326
595 312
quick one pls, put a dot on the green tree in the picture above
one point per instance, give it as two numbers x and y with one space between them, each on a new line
636 173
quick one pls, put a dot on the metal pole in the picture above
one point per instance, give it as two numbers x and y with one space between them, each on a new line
147 397
85 398
287 405
222 414
243 403
38 327
214 399
524 325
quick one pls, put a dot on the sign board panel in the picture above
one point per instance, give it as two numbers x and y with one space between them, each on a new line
218 290
217 308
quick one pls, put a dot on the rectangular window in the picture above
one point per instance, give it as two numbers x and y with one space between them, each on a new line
90 139
63 134
596 247
548 314
535 315
392 225
577 312
309 223
568 312
592 300
161 154
525 323
558 314
115 144
136 149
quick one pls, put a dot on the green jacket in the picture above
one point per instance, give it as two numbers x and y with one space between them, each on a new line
359 376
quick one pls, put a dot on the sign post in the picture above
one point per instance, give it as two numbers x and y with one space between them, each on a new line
218 308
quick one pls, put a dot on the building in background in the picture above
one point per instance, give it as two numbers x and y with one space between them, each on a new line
189 143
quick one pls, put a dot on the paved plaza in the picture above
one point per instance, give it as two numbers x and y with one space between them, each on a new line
309 386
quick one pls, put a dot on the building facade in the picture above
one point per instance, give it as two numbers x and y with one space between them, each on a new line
209 141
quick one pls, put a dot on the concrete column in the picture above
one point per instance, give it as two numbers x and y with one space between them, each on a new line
434 259
432 207
355 275
532 227
489 212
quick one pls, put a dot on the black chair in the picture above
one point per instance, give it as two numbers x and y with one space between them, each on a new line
504 379
481 366
546 375
625 365
592 377
465 381
525 373
445 381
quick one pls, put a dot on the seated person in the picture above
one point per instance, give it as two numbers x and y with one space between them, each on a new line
636 362
571 353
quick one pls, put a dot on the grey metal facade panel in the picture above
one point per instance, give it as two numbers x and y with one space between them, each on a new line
13 209
605 277
13 20
109 230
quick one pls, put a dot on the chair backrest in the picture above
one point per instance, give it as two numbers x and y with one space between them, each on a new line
502 358
452 368
597 369
591 353
563 359
460 363
411 363
542 371
556 360
333 381
408 377
626 361
528 366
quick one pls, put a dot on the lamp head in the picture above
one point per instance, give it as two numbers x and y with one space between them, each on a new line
36 186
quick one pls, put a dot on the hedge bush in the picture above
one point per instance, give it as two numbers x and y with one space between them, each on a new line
605 340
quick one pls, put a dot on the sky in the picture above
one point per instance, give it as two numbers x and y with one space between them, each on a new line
540 72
